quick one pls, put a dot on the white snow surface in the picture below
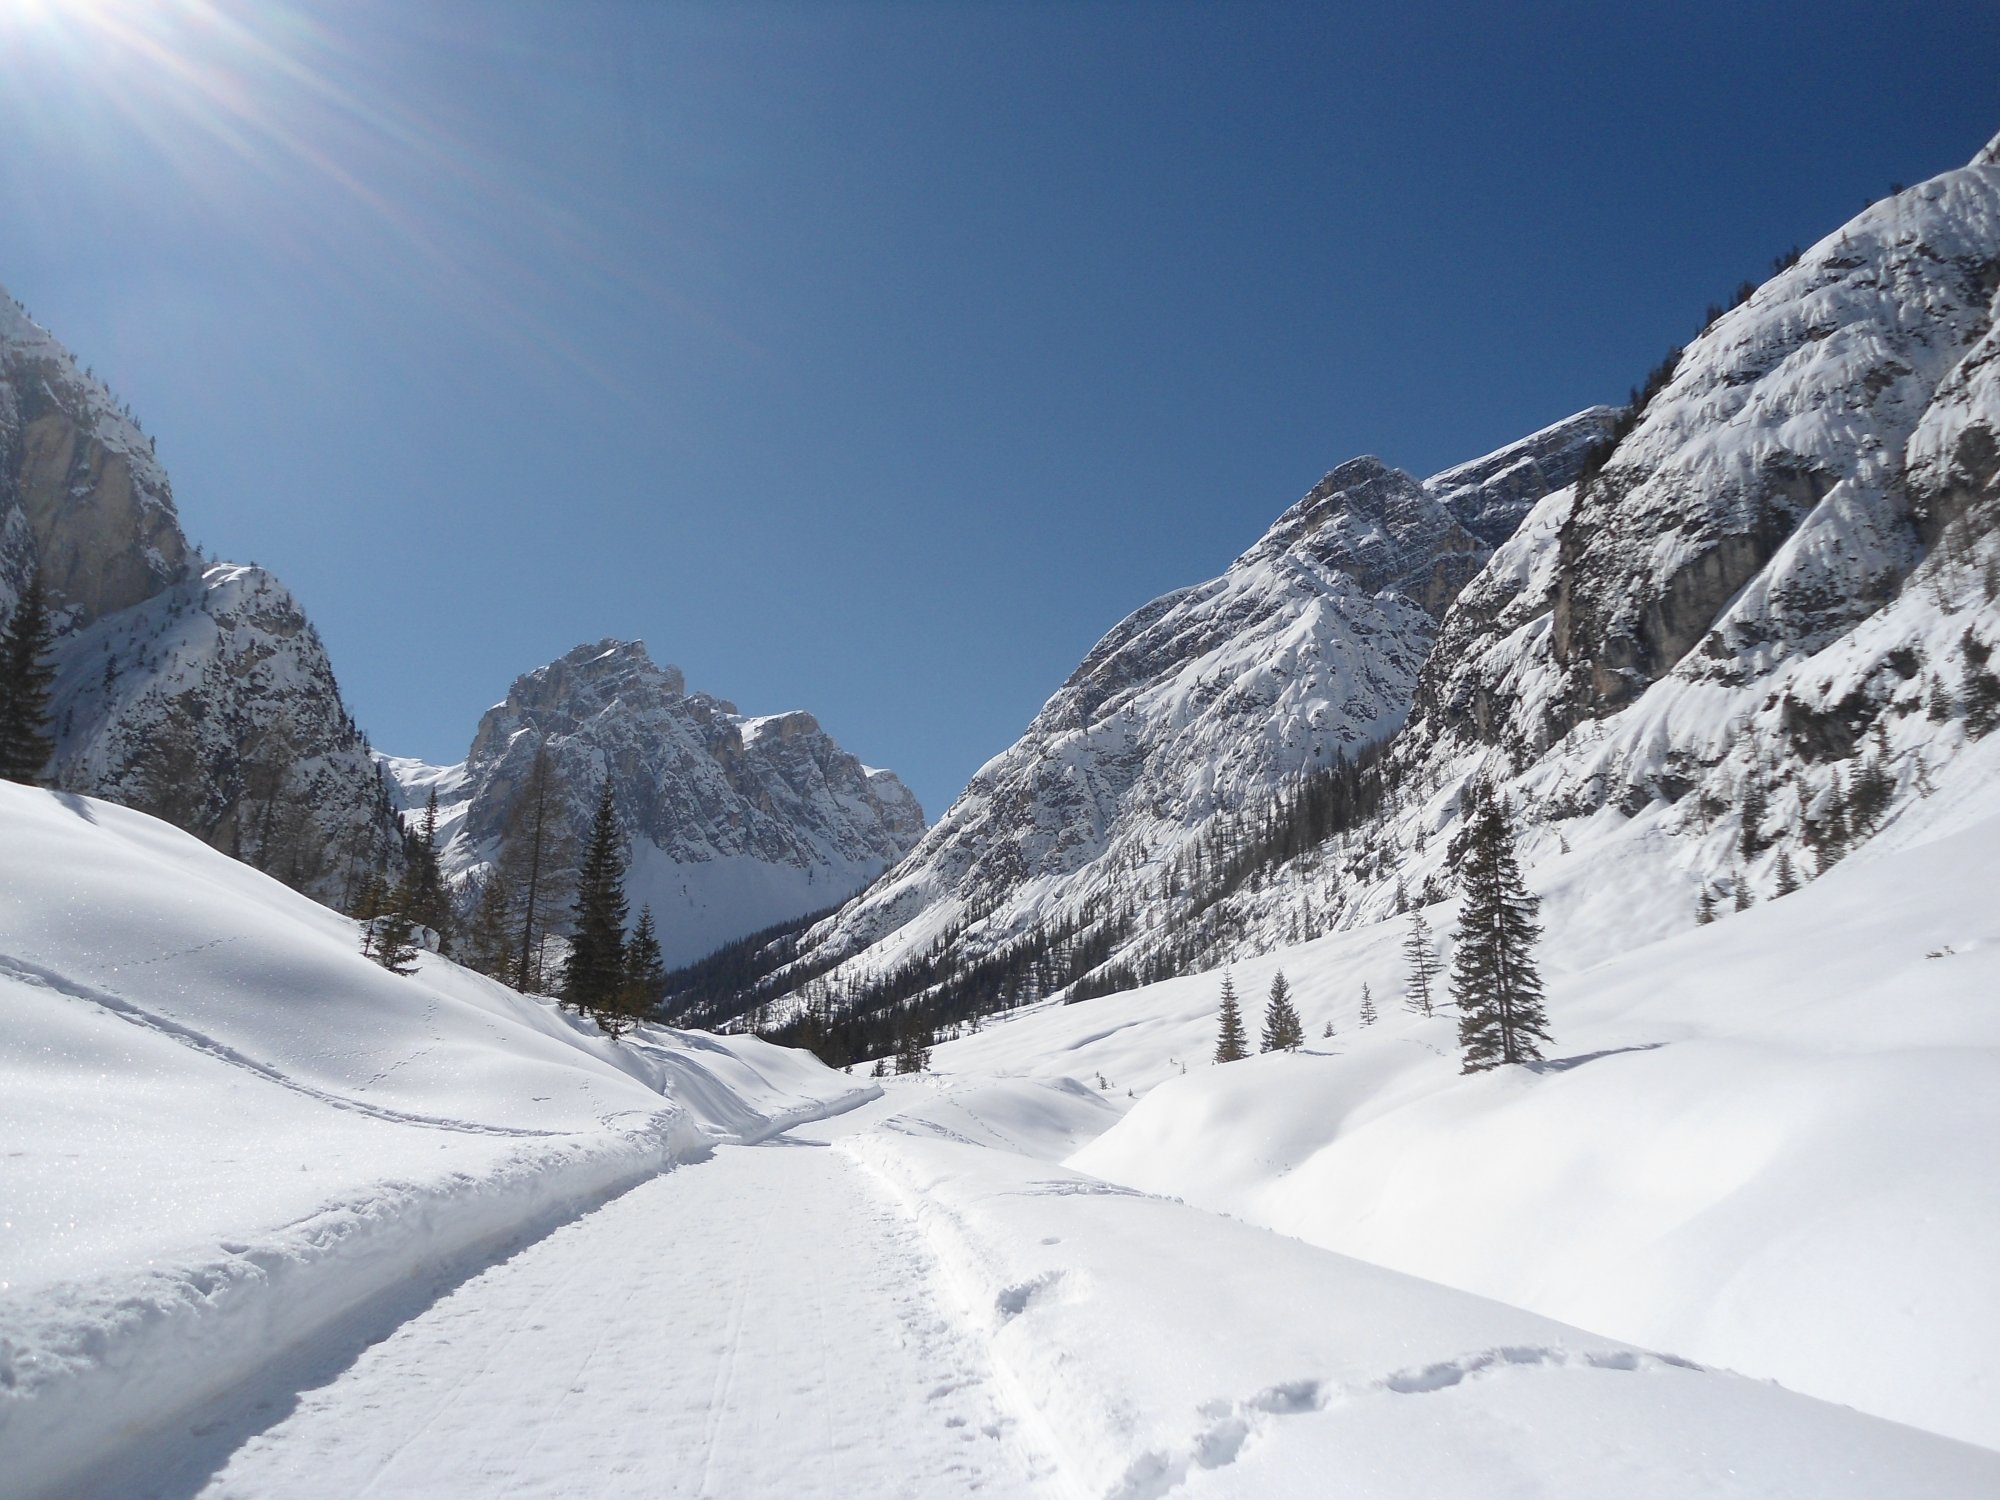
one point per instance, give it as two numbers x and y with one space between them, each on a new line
226 1130
280 1224
872 1306
1765 1144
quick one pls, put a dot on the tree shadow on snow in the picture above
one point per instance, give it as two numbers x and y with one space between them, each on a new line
1564 1064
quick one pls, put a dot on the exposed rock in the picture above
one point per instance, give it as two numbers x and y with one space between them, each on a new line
736 822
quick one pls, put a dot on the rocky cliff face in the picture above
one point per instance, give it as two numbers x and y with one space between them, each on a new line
736 822
1761 636
199 693
1200 706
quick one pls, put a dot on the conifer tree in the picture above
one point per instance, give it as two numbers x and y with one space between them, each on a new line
489 936
1743 896
1328 1032
1283 1031
1787 877
534 868
645 967
913 1049
594 973
430 897
1422 962
1493 981
25 680
1230 1043
1368 1015
393 930
1704 910
1750 841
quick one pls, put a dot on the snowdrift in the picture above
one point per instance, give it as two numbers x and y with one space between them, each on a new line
1151 1348
226 1130
1765 1144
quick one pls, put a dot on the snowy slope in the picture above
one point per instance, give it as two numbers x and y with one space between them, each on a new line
1201 704
227 1129
1765 1144
735 822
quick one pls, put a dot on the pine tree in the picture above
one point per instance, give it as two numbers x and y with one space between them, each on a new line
1750 841
1744 899
1787 877
430 897
594 973
645 967
1369 1015
489 936
25 680
1422 962
1493 981
393 931
1704 909
913 1049
535 869
1328 1032
1230 1043
1283 1031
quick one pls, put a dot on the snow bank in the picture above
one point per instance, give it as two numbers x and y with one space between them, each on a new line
228 1131
1153 1347
1766 1144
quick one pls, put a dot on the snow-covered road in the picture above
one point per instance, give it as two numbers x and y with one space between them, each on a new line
765 1323
916 1300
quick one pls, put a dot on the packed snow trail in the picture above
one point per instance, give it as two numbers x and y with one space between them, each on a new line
762 1324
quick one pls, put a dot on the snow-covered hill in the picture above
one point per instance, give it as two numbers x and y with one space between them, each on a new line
1201 705
226 1129
199 692
1765 1144
735 822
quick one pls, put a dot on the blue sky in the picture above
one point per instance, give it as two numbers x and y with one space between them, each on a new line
876 359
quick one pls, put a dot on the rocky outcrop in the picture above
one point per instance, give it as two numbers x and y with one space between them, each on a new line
197 692
736 822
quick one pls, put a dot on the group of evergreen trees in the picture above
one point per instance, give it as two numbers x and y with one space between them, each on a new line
613 976
26 678
1494 982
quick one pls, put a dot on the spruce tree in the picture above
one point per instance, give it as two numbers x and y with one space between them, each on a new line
393 931
430 897
1230 1043
1368 1015
26 678
594 973
645 967
1283 1031
489 936
1422 962
1493 981
1787 877
1704 909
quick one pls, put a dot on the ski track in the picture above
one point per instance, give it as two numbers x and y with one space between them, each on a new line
187 1036
768 1323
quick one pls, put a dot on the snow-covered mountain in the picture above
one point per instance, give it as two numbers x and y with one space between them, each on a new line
1200 706
1768 595
199 692
735 822
1758 636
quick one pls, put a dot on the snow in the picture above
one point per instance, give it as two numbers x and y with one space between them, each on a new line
282 1224
868 1306
1764 1144
227 1130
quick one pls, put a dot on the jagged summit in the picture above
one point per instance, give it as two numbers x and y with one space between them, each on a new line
736 821
1199 706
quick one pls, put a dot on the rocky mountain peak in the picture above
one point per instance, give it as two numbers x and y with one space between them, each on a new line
735 822
81 492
